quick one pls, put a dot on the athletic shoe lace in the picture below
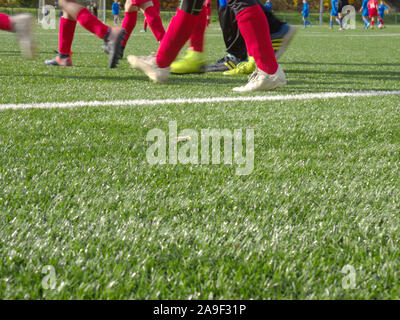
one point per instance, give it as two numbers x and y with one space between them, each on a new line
224 59
254 75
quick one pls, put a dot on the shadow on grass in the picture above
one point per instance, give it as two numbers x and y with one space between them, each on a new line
135 76
378 75
341 64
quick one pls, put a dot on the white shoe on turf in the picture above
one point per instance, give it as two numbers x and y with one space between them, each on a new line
23 28
260 80
148 66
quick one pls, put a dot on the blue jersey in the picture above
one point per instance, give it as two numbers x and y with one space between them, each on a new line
335 8
306 9
381 10
268 5
115 9
364 5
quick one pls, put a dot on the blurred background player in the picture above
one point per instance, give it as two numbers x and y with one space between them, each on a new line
151 11
373 11
22 26
341 5
208 11
381 10
334 12
95 9
253 26
268 5
145 24
236 60
306 13
74 12
365 13
115 11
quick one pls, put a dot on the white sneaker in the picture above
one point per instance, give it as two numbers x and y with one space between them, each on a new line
260 80
148 65
23 28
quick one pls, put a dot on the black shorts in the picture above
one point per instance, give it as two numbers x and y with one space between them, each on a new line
342 4
194 6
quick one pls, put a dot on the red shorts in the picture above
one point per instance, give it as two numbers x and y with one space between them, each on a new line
373 13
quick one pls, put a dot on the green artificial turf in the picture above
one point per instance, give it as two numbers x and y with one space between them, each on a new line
77 193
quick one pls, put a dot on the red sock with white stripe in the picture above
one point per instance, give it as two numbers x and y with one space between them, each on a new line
129 24
253 26
197 37
66 35
179 31
89 21
154 21
5 22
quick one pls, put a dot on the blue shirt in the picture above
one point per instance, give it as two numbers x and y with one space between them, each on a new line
306 8
115 8
381 10
335 5
222 3
365 8
268 5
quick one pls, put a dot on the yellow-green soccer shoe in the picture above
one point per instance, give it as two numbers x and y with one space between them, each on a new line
245 67
192 62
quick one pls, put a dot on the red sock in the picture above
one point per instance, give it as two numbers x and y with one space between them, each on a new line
5 23
372 23
87 20
179 31
129 24
145 25
66 35
253 26
197 37
154 20
381 21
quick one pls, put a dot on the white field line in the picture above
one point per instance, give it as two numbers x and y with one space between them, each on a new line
143 102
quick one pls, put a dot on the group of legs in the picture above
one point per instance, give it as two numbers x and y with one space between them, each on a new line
279 32
252 26
237 61
254 29
115 39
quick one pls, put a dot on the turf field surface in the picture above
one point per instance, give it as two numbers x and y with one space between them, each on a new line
77 193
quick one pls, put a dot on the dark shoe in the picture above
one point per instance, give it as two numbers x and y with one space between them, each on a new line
226 63
282 38
112 45
61 60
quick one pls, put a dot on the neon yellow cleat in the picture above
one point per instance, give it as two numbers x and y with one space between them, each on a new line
245 67
192 62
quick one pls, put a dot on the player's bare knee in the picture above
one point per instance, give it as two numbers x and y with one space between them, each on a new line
66 15
146 5
129 6
62 3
